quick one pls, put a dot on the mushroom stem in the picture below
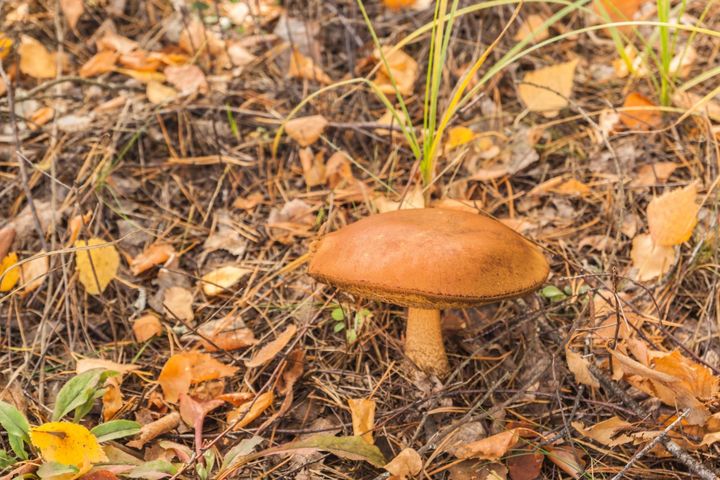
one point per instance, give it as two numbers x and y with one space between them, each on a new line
424 342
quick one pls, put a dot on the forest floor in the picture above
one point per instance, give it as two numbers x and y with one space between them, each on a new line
154 242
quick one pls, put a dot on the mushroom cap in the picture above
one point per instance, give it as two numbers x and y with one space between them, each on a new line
429 258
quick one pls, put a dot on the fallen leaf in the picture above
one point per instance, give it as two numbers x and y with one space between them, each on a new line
526 466
682 63
696 378
490 448
306 130
654 173
362 411
75 225
313 167
567 460
86 364
154 429
406 464
457 137
249 202
246 413
578 365
156 254
33 272
68 444
398 4
694 102
157 93
35 60
617 11
351 448
304 67
640 113
7 237
229 333
414 198
97 263
337 170
221 279
651 261
72 11
9 272
178 303
294 219
398 67
115 42
532 28
239 55
225 237
142 76
6 44
112 399
193 413
140 60
188 79
672 216
146 327
269 351
607 432
187 368
547 90
100 475
40 117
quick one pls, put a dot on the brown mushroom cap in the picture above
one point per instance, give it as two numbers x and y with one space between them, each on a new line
429 258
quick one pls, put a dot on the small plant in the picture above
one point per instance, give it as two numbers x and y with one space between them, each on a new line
341 323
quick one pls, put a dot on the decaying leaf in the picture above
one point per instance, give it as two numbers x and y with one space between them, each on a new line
578 365
187 368
303 67
188 79
247 412
306 130
525 466
221 279
146 327
351 448
652 261
640 113
154 429
33 272
313 167
568 460
101 62
406 464
193 414
229 333
97 263
672 216
399 68
608 432
548 89
490 448
116 42
269 351
35 60
178 303
112 399
156 254
362 411
654 173
68 444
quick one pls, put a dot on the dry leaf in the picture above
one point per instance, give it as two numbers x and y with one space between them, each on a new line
294 219
338 170
693 377
672 216
306 130
304 67
85 364
688 101
239 55
548 89
157 93
683 61
217 281
72 11
142 77
532 27
154 429
40 117
457 137
112 399
414 198
363 417
399 4
639 113
389 119
490 448
68 444
229 333
652 261
115 42
653 174
7 237
578 365
75 224
35 60
406 464
398 66
178 303
156 254
193 413
9 272
33 272
249 202
188 368
188 79
140 60
526 466
269 351
146 327
246 413
567 460
617 11
226 237
97 263
6 44
607 432
313 167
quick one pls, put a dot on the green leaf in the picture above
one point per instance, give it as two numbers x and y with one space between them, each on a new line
53 469
337 314
351 448
339 327
351 335
240 450
78 392
115 429
153 470
17 427
553 293
5 459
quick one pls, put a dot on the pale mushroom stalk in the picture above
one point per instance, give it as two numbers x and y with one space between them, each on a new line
424 341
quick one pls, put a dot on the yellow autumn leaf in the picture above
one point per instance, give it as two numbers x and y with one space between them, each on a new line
672 216
548 89
6 44
651 260
159 93
457 137
68 444
35 60
220 279
9 274
97 265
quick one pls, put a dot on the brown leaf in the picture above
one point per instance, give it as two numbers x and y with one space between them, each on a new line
578 365
526 466
672 216
338 170
313 167
188 79
118 43
654 173
269 351
246 413
178 303
304 67
156 254
72 10
640 113
187 368
406 464
146 327
140 60
548 89
249 202
568 460
606 432
652 261
154 429
7 237
40 117
35 60
490 448
363 417
398 66
229 333
306 130
33 273
157 93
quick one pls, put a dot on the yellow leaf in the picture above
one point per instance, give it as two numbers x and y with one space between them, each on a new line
9 274
363 417
96 265
306 130
250 410
6 44
220 279
35 60
672 216
548 89
69 444
457 137
401 67
158 93
651 260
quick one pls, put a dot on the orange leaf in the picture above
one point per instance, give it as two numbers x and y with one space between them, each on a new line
187 368
639 113
146 327
490 448
304 67
269 351
246 413
101 62
306 130
72 10
35 60
401 67
672 216
156 254
652 261
229 333
362 411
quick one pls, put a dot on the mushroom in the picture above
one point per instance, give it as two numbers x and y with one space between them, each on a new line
428 259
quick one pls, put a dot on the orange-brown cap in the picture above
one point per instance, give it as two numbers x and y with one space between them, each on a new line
429 258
